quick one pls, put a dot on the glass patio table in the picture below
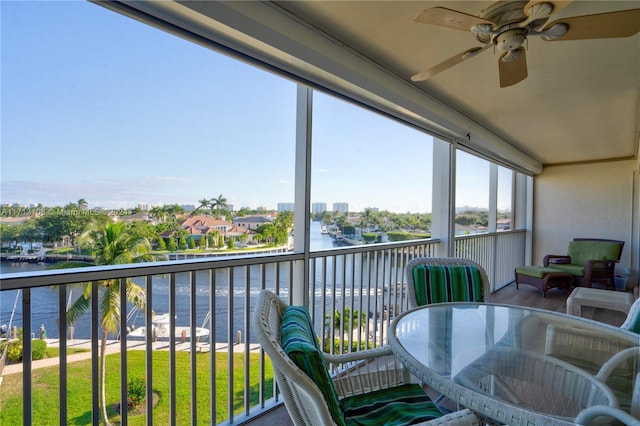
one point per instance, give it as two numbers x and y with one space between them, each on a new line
499 360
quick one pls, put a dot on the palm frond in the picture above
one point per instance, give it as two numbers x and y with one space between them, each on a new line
81 305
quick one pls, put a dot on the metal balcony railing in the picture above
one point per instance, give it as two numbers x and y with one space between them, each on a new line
353 295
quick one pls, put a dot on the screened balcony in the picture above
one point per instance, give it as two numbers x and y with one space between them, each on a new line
301 88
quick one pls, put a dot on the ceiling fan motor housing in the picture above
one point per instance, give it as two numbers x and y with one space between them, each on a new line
510 40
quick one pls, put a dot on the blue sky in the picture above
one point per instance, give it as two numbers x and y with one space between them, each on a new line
99 106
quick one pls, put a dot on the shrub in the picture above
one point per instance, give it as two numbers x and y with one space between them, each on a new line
14 353
38 350
354 346
406 236
136 392
370 237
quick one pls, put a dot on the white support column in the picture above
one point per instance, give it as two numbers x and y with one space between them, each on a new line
528 220
634 267
302 202
443 198
493 197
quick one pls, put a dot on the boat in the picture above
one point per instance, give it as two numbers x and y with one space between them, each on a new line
160 330
324 230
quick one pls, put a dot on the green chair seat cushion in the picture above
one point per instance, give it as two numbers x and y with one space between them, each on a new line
447 283
575 270
403 405
299 342
536 271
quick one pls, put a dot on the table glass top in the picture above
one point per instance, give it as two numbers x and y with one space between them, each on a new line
517 355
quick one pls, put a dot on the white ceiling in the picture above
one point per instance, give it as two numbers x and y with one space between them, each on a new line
580 102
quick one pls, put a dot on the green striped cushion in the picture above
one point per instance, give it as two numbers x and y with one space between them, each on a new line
435 284
300 343
402 405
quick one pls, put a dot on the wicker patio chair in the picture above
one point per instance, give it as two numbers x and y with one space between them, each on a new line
589 260
632 323
435 280
611 360
369 386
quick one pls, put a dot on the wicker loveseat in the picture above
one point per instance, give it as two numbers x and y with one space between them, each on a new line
589 260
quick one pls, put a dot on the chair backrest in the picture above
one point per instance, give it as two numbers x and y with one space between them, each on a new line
304 400
436 280
632 323
581 250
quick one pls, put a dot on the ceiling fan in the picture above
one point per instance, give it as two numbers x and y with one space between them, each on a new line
505 26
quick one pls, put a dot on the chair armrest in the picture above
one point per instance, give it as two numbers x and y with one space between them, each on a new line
607 369
593 264
366 371
589 415
555 258
358 356
463 417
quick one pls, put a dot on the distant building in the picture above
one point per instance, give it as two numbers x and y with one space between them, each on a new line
373 209
318 208
503 224
251 222
285 207
188 207
341 207
200 225
236 232
137 217
230 208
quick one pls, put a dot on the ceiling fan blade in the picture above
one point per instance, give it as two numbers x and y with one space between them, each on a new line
450 18
448 63
623 23
514 69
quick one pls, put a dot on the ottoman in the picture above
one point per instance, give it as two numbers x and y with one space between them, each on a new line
543 278
598 298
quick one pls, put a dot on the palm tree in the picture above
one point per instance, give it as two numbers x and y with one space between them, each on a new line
367 219
204 203
350 320
158 213
82 203
112 245
218 204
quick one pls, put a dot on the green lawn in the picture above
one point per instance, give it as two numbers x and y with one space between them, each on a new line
46 385
54 351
